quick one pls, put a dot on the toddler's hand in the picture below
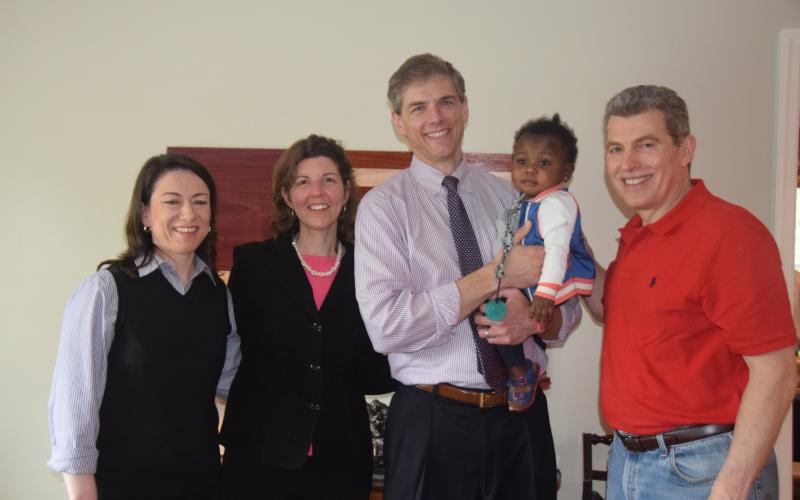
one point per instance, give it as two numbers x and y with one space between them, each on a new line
541 311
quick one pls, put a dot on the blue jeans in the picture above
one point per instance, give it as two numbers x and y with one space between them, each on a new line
685 471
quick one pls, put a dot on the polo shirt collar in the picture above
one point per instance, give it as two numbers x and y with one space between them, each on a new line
691 203
431 178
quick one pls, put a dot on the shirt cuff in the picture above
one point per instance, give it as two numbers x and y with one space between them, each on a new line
73 460
570 317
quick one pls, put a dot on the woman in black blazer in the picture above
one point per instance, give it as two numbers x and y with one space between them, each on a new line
296 423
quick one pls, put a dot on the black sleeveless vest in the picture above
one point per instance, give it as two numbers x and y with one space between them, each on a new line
158 422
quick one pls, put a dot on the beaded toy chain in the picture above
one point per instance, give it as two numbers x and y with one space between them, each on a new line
496 308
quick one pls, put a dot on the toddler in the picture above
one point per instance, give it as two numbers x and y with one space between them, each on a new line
542 162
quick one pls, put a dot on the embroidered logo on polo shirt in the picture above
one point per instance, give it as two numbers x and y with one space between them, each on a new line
652 282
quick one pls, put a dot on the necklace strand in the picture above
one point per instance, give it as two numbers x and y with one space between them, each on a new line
321 274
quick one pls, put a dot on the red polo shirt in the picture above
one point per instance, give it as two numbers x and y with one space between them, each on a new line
685 299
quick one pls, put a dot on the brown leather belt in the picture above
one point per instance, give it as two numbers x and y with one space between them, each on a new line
672 437
477 398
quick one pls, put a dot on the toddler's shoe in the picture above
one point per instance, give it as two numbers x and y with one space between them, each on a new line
522 390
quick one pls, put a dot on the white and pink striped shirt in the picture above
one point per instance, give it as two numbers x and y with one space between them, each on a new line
406 267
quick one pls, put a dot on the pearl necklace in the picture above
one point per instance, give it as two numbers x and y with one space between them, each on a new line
339 254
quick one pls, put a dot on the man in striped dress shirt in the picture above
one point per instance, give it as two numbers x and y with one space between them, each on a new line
448 435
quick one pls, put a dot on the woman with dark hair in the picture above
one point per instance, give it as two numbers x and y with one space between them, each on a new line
296 421
146 343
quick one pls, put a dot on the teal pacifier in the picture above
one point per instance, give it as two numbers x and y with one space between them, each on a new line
496 309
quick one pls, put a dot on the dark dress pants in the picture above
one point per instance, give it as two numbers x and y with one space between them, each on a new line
440 449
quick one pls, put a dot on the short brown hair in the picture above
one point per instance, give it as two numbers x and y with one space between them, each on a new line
419 68
284 223
643 98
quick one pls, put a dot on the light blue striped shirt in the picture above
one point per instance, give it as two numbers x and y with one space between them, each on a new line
406 267
79 378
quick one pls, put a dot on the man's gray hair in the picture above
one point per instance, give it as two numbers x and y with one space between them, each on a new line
420 68
643 98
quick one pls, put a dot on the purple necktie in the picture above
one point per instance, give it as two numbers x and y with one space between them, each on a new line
469 260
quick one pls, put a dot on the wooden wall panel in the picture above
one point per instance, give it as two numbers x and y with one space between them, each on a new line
244 185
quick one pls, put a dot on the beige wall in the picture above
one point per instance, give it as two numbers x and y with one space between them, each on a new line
90 89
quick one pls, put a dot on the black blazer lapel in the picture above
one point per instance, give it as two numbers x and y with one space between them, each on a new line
343 283
293 277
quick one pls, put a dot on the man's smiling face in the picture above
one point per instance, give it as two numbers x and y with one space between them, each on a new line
645 166
432 119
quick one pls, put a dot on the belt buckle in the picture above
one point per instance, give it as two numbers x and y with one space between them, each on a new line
481 401
631 441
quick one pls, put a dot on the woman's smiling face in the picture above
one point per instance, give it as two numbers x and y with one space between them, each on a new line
317 195
178 214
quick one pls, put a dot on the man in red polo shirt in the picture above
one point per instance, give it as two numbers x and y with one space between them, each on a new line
698 334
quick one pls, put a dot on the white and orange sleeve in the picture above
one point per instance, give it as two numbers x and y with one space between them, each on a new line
556 218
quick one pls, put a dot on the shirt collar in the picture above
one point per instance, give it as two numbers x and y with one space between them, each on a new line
158 263
558 187
431 178
697 196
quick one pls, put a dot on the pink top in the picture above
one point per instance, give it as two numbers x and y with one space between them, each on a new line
319 287
319 284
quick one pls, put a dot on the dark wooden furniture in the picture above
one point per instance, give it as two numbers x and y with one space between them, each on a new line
590 474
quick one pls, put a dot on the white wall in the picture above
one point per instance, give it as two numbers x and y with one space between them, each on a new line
90 89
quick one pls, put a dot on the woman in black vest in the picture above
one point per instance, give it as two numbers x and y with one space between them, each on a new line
146 343
296 421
